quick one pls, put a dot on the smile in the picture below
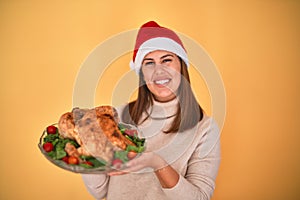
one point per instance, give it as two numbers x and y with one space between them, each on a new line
162 82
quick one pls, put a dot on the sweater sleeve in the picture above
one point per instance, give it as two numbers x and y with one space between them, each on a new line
96 184
199 180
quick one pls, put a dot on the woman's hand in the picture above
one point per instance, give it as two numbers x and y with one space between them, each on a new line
145 160
166 175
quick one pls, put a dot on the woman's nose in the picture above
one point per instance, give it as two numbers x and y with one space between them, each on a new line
159 68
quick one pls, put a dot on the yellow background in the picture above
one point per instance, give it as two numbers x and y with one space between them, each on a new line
255 45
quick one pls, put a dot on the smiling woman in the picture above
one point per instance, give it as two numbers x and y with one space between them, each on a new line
182 151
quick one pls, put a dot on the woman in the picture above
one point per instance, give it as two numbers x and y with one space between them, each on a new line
183 148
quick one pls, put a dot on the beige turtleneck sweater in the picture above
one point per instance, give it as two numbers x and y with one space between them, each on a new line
194 154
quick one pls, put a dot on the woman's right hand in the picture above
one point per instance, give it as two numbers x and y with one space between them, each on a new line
145 160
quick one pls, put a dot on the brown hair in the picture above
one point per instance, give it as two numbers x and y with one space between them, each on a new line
189 112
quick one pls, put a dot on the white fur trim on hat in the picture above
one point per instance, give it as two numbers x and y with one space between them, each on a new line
158 43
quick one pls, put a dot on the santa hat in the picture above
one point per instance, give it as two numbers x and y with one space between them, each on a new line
153 37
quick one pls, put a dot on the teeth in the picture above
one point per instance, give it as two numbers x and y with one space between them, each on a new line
162 81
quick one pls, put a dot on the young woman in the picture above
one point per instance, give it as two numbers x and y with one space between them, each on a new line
183 149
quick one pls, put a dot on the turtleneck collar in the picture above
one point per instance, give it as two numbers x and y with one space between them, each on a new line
163 109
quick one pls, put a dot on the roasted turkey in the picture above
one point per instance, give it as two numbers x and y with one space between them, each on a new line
95 130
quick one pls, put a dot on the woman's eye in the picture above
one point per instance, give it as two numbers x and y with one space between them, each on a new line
149 64
167 60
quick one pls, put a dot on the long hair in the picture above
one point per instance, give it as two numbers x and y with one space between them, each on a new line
188 114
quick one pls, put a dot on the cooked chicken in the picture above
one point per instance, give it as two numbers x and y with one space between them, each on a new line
108 111
112 132
96 131
66 125
71 150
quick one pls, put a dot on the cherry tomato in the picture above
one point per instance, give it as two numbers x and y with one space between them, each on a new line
88 163
48 146
51 129
131 155
65 159
117 163
130 132
73 160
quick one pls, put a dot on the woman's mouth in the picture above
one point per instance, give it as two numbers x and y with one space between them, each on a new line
162 81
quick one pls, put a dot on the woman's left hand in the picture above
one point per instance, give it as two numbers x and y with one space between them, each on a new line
145 160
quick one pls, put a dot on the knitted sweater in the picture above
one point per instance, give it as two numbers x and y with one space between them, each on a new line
194 154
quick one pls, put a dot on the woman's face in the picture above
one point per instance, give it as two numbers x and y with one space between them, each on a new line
161 70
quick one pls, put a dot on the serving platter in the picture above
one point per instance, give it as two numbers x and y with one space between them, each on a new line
89 164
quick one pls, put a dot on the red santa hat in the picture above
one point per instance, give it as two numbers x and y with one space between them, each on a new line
151 37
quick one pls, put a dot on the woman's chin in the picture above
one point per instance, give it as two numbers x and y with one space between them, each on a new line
164 97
